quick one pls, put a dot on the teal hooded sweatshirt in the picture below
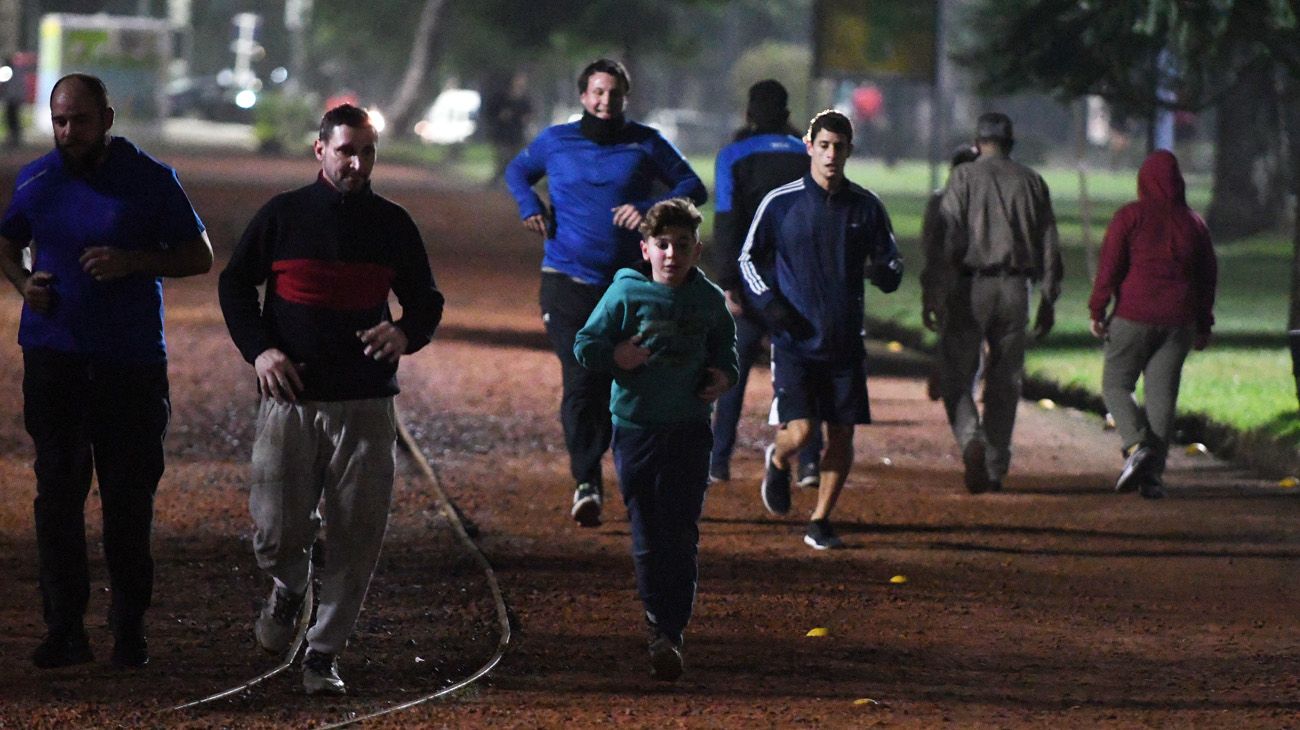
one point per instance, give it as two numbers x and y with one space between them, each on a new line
687 329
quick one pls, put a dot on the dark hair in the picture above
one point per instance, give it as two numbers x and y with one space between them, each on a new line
605 66
671 212
831 121
995 127
92 84
345 114
768 108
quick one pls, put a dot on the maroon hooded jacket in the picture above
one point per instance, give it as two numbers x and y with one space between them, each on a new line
1157 260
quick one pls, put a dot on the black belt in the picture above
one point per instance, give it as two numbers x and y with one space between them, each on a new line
996 271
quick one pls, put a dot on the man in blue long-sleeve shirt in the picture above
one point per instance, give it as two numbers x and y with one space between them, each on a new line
601 172
811 245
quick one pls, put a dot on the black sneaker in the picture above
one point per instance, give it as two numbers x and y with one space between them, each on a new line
320 674
719 473
277 624
1151 488
586 504
810 475
977 475
776 485
130 647
1136 470
665 659
821 536
63 649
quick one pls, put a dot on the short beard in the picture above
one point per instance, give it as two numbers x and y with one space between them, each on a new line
81 165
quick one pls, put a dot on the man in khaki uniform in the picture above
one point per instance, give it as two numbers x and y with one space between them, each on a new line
1001 240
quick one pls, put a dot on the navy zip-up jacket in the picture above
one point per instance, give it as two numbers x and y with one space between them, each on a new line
586 181
808 252
745 171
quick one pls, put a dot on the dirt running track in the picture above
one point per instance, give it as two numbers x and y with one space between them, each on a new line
1055 603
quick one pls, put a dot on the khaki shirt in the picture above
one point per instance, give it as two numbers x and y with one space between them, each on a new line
999 216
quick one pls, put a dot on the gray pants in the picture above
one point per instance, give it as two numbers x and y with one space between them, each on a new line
982 311
1157 354
330 460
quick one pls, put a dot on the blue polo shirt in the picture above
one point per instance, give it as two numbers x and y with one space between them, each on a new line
133 202
586 181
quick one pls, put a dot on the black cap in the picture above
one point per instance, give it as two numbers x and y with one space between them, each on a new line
994 126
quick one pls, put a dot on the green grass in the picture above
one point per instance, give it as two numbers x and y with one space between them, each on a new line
1243 380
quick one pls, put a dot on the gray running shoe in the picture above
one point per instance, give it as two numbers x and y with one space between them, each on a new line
320 674
1136 471
277 622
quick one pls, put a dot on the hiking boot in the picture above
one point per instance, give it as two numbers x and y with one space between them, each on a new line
977 475
810 475
665 659
1151 488
320 674
1136 471
278 621
63 649
130 647
821 536
776 485
586 504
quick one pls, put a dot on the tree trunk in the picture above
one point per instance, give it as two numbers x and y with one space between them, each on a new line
1249 178
402 110
1290 104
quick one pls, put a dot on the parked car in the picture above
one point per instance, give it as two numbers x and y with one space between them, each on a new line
451 119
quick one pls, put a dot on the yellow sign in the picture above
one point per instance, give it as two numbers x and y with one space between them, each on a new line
865 38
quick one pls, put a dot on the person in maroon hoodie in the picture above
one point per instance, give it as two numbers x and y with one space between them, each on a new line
1158 265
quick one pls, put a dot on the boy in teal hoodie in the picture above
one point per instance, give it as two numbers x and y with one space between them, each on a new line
667 337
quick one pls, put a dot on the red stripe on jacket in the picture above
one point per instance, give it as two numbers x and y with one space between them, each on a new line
331 284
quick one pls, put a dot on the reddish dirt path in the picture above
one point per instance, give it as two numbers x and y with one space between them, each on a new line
1054 603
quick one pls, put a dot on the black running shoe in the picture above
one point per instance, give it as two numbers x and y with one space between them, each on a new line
1151 488
586 504
130 648
821 536
810 475
977 475
776 485
63 649
1136 471
665 659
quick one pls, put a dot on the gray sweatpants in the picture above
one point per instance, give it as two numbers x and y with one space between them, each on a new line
331 460
1157 354
992 311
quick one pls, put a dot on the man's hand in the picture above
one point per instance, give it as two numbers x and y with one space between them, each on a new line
38 292
1098 329
106 263
735 301
932 314
782 317
627 216
715 384
629 354
277 376
1201 341
385 341
1045 320
536 224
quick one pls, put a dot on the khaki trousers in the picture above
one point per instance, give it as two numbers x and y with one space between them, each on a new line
1157 354
985 316
323 461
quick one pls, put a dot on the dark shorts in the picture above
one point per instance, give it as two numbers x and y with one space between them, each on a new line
833 392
